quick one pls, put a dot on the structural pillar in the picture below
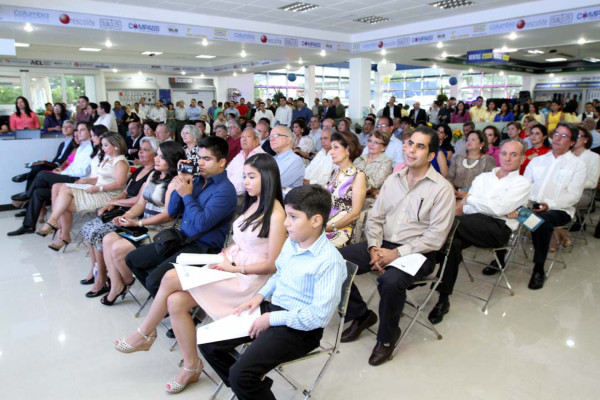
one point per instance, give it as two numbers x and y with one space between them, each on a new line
309 85
360 88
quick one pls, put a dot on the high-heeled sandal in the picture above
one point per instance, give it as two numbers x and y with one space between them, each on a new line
57 247
122 294
124 347
45 232
174 387
105 289
88 281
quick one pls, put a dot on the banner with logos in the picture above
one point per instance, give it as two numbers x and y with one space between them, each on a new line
487 56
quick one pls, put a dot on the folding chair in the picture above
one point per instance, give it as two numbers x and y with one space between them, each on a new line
583 214
558 256
510 248
329 351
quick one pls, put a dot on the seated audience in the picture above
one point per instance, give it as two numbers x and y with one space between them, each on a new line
412 214
487 218
304 292
465 167
505 114
206 203
162 132
554 117
492 111
460 114
394 148
190 134
535 114
23 117
108 183
53 122
94 231
513 129
130 116
590 125
478 112
258 236
291 166
540 145
460 146
150 128
315 132
302 144
221 131
301 111
149 211
348 187
367 129
445 135
39 193
319 169
133 141
376 165
265 129
492 135
557 180
263 112
250 141
106 118
234 130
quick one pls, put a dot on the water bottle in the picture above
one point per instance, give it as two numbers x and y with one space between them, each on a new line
95 270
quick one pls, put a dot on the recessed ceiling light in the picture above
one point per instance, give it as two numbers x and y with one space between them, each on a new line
591 59
383 52
28 27
243 54
581 40
244 70
115 70
551 75
201 75
535 51
299 7
434 66
204 42
444 54
288 66
234 73
372 20
17 44
440 45
471 70
182 72
323 53
513 36
505 49
91 49
556 59
501 73
108 43
152 53
300 61
450 4
205 56
139 72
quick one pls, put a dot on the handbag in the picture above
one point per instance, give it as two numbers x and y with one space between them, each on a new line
108 216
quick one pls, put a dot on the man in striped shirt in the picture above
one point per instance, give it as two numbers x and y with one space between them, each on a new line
304 292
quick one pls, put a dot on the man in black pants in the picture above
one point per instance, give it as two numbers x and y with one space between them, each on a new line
557 185
487 218
412 214
208 203
40 192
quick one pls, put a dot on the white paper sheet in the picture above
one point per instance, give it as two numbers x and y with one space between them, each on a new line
191 277
230 327
410 263
199 259
81 186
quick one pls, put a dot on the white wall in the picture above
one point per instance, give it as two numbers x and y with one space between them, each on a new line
242 82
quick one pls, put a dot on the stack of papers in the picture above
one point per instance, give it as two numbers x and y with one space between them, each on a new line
191 276
410 263
81 186
231 327
199 259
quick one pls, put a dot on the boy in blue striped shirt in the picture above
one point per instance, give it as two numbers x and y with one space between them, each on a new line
304 292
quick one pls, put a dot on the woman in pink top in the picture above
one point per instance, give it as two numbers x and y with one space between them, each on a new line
23 118
461 115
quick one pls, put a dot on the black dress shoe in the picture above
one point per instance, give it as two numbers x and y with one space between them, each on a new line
537 281
354 330
19 197
87 281
170 334
20 178
105 289
597 231
439 310
21 231
490 270
21 214
382 352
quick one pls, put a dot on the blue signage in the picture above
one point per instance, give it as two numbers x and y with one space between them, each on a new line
486 56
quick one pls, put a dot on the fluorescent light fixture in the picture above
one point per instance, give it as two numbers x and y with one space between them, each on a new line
90 49
535 51
108 43
205 56
323 53
513 36
581 41
299 7
204 42
450 4
152 53
591 59
440 45
556 59
17 44
243 54
28 27
505 49
114 70
372 20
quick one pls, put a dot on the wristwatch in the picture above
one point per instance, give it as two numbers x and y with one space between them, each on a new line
334 227
101 189
243 270
399 253
140 223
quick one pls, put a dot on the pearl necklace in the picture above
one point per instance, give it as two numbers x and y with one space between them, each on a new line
467 166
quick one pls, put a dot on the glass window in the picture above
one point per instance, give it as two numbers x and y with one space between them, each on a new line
472 80
414 73
10 89
431 83
277 80
413 83
515 80
75 87
260 79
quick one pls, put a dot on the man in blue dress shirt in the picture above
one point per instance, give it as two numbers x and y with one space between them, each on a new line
302 111
207 202
304 292
291 166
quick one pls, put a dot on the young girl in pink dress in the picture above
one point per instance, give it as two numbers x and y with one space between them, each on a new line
258 235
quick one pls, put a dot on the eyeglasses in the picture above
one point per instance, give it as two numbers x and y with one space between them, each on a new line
278 135
381 126
375 142
562 135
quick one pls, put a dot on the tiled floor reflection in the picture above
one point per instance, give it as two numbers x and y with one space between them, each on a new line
57 344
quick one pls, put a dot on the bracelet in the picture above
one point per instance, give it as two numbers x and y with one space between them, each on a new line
243 270
335 229
140 223
101 189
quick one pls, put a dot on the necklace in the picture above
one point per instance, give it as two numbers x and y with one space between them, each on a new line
467 166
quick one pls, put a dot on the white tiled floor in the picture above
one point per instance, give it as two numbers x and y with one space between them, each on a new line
57 344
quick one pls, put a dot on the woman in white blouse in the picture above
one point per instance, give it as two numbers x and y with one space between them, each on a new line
302 144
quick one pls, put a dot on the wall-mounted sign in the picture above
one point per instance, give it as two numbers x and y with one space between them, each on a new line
487 56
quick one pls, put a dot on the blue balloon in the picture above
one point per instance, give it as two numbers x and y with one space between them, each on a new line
453 80
291 77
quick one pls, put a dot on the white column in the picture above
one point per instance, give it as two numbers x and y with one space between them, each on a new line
360 87
309 85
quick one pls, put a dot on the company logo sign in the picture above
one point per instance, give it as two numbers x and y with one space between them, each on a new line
401 42
310 44
479 28
561 19
66 20
531 24
502 26
143 27
31 15
422 39
589 15
290 42
111 24
244 37
173 30
220 33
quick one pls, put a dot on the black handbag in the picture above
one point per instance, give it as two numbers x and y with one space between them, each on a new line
108 216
